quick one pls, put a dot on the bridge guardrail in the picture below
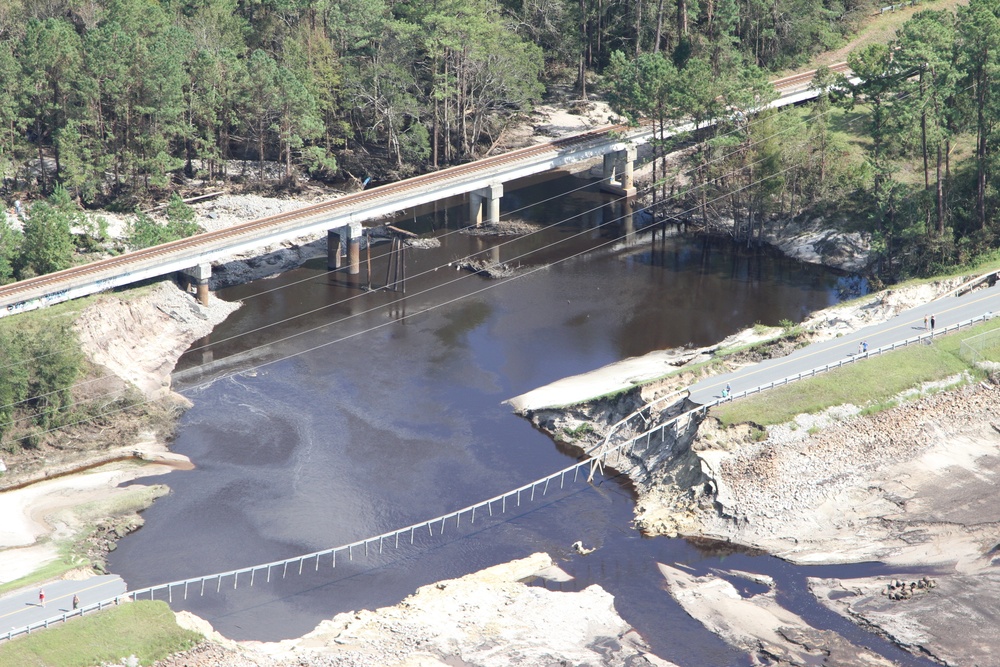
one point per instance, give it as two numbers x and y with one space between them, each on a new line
595 463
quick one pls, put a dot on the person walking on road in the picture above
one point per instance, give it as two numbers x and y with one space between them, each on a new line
76 602
864 347
41 597
925 323
932 324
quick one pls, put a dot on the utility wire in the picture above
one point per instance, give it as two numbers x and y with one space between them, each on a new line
459 260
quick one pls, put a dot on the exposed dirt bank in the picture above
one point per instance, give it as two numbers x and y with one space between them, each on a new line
759 625
912 487
65 498
140 339
76 517
484 619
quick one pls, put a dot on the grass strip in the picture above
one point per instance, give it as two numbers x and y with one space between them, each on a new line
144 629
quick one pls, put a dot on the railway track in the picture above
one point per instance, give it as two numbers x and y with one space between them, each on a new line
805 77
53 280
31 288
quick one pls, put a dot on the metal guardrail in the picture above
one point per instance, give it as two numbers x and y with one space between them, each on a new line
328 557
640 413
498 503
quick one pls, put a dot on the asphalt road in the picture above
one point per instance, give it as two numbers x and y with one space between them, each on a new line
21 609
947 311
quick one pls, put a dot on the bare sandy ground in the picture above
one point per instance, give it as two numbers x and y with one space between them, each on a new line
759 625
139 340
38 517
485 619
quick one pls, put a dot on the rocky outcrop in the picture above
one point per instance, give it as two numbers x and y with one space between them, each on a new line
952 618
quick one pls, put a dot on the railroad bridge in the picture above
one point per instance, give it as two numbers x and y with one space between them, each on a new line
482 182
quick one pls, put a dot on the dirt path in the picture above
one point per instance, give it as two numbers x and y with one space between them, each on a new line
880 29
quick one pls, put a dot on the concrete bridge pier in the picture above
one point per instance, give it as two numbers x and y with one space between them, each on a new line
353 248
618 172
337 239
492 194
628 222
200 275
333 249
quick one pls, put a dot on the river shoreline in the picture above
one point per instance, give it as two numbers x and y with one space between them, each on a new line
294 254
909 487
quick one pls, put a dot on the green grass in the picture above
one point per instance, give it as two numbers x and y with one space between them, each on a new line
583 429
145 629
870 383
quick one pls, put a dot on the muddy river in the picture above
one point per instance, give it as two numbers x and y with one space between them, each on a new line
339 413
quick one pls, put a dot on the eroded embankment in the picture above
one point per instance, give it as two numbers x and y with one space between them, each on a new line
486 619
63 498
912 487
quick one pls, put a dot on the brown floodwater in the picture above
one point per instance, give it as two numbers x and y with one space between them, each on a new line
380 409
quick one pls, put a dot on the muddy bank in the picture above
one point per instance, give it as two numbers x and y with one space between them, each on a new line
760 626
485 619
912 487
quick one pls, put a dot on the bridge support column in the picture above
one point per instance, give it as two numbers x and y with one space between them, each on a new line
343 241
618 172
492 194
628 222
200 274
333 249
353 248
610 165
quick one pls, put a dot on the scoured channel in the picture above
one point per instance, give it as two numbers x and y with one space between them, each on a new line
341 436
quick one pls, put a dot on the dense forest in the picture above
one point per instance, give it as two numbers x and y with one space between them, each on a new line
115 102
903 150
117 96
